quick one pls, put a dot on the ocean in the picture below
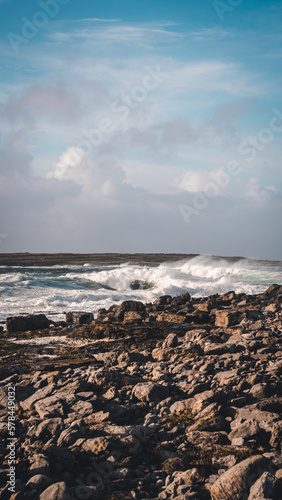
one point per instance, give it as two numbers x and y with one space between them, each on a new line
54 290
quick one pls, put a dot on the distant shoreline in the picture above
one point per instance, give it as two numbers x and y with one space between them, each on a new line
52 259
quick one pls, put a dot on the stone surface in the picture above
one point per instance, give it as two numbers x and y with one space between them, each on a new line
237 481
54 492
179 408
25 323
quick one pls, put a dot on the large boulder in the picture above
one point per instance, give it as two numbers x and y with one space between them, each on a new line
237 481
26 323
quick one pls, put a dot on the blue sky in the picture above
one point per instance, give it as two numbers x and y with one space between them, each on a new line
119 120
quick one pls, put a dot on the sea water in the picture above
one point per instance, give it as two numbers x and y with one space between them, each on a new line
58 289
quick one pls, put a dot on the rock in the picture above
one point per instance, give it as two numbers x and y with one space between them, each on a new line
40 465
148 391
81 409
39 482
246 430
3 397
163 300
263 488
79 318
48 428
226 319
98 445
54 492
50 407
170 341
40 394
133 316
26 323
237 481
272 291
70 435
130 305
171 318
139 285
62 459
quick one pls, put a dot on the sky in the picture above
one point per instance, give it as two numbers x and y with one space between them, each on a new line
150 126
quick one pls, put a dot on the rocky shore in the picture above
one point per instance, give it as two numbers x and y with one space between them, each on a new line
179 399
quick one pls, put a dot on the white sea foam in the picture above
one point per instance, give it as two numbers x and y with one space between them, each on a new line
54 290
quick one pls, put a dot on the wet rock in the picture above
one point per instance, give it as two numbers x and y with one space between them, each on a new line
164 300
130 306
26 323
79 318
139 285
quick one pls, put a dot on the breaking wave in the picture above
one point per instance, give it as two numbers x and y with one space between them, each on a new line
54 290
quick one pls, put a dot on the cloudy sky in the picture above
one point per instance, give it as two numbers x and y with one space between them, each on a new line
150 126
